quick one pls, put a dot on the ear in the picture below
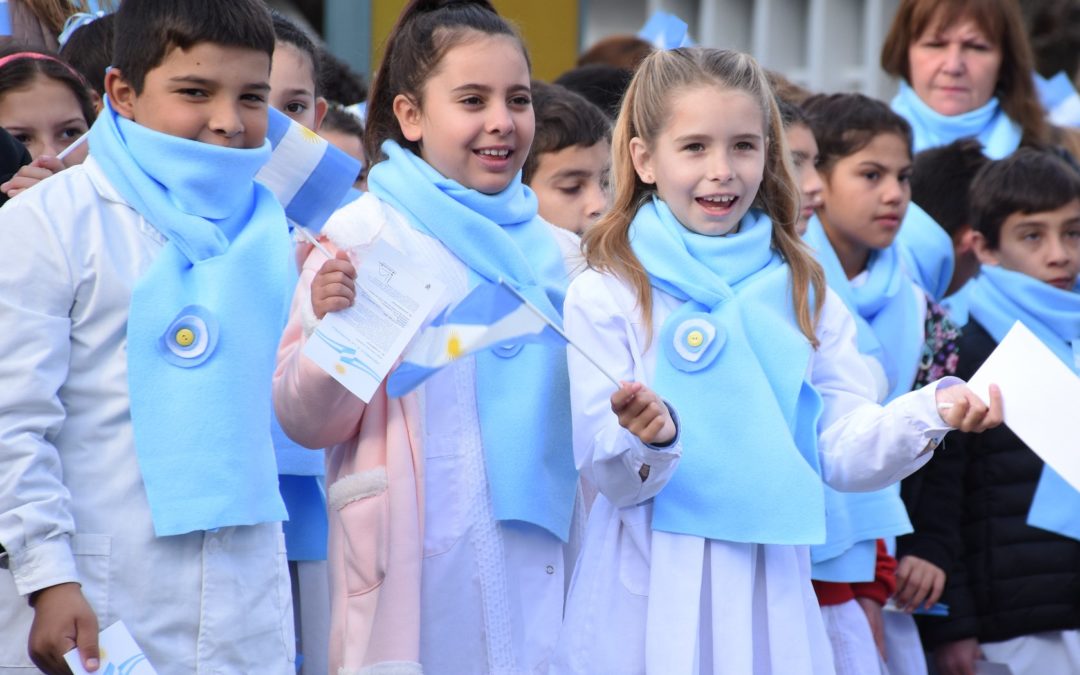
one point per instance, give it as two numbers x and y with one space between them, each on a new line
983 252
643 161
321 106
965 240
408 114
95 100
121 94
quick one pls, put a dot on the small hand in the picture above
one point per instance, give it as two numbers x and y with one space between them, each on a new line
63 620
643 413
31 174
918 582
961 409
872 609
958 658
334 286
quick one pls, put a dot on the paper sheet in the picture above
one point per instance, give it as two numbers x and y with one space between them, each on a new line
119 655
1041 396
359 345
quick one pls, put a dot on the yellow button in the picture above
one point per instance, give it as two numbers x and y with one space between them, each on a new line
694 338
184 337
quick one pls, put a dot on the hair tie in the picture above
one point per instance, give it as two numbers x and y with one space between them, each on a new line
37 56
77 21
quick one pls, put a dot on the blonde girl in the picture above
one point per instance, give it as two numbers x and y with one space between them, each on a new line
742 391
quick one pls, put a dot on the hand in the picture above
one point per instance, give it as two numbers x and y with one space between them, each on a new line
877 622
334 286
63 620
642 413
958 658
918 582
31 174
961 409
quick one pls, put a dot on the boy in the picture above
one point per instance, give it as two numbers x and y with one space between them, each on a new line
1013 588
570 158
145 291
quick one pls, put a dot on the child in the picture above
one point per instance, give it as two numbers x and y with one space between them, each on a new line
294 77
571 153
804 159
865 166
46 105
345 131
138 480
601 84
1013 589
89 51
448 509
707 458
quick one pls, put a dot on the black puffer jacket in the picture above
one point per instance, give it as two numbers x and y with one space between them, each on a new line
1006 579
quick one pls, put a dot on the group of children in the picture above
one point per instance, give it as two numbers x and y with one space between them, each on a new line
734 505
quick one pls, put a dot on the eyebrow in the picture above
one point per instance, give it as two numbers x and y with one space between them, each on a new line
571 173
209 84
474 86
299 92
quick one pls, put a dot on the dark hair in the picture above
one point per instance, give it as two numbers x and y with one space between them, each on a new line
339 119
1003 25
286 31
89 50
21 71
340 83
1054 32
940 179
621 51
790 114
563 119
147 30
1027 181
786 90
600 83
844 124
424 33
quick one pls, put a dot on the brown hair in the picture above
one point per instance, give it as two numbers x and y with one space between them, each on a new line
645 111
424 33
22 65
563 119
1003 25
621 51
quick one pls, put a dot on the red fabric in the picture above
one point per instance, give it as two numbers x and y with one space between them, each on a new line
832 593
879 590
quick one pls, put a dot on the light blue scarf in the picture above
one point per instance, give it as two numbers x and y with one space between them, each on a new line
999 135
998 298
927 251
204 324
887 316
733 363
522 391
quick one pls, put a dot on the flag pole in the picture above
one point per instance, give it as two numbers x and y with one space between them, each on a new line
551 324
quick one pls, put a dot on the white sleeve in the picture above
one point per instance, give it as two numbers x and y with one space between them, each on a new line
36 296
864 446
608 456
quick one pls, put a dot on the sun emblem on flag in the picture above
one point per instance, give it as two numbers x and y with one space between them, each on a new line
453 346
309 135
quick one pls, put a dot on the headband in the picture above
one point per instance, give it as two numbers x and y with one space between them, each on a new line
36 56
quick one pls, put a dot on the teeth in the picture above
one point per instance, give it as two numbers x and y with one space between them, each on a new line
727 199
502 154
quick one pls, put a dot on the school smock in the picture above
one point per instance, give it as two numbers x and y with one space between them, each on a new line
72 502
491 596
645 601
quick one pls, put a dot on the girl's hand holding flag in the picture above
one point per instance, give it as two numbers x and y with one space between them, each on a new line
643 413
961 409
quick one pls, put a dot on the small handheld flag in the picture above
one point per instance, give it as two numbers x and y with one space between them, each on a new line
666 31
308 175
490 316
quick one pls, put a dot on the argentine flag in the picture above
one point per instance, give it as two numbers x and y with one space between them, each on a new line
1059 97
491 315
308 175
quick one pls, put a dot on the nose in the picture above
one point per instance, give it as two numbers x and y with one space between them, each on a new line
719 167
596 201
895 191
53 147
954 59
812 186
499 121
1060 252
225 120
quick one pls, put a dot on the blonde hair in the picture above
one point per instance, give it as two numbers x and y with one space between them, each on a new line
644 113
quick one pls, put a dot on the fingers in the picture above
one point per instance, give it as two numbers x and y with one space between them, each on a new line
334 286
996 415
86 638
49 163
937 587
624 395
642 413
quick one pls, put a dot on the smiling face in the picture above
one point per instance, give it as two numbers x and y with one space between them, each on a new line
804 156
954 69
475 121
708 160
44 116
1043 245
208 93
571 185
865 197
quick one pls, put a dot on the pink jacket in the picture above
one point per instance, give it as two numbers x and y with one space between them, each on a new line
375 478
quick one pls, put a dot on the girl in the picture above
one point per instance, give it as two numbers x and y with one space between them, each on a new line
906 340
804 160
448 509
703 299
45 104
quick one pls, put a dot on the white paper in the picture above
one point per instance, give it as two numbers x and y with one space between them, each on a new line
1041 396
118 652
991 668
359 345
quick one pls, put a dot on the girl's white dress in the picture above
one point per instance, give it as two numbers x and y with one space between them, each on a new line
656 602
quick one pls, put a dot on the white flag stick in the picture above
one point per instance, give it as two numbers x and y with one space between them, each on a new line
551 324
314 242
71 148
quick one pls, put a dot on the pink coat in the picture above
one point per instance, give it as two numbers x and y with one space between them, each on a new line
375 478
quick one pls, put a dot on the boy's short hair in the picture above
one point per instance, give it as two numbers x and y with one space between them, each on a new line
288 32
89 50
791 114
341 120
147 30
1027 181
941 178
844 124
600 83
340 83
621 51
563 119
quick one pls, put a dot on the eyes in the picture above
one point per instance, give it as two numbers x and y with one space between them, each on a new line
738 146
517 101
195 93
295 107
874 176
